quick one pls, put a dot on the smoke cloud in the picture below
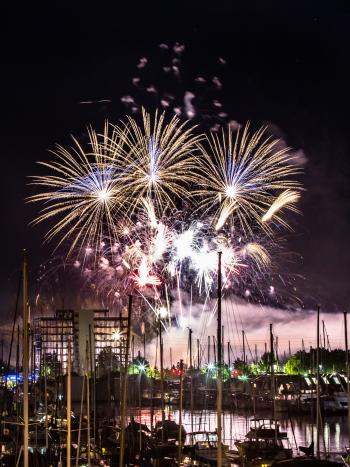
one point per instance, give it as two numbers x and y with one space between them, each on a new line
289 326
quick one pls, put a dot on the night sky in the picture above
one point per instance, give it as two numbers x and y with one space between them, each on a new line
287 64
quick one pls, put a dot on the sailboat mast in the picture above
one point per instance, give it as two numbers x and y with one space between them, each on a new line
80 420
69 399
198 354
191 383
190 345
318 386
88 441
125 388
161 358
228 354
93 378
181 368
244 357
223 344
45 401
208 350
273 387
219 359
347 369
25 360
17 389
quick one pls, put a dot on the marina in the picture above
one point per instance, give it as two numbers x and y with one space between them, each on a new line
85 395
174 274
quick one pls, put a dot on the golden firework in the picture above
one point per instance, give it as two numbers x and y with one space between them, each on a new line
241 175
159 161
287 199
83 191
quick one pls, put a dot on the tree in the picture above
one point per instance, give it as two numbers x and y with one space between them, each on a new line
107 360
293 365
331 361
239 364
264 363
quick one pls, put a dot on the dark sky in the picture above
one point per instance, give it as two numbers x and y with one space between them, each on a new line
288 63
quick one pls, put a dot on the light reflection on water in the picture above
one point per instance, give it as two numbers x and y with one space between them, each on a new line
300 429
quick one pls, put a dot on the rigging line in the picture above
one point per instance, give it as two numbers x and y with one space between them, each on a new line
237 338
230 330
234 344
14 324
231 323
240 317
204 325
246 339
208 318
238 345
187 351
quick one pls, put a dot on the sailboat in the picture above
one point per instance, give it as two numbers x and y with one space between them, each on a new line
204 450
309 459
264 442
207 447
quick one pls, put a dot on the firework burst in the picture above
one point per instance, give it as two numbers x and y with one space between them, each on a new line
151 204
242 175
159 162
83 192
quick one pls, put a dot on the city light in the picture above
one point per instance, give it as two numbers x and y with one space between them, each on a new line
116 335
141 367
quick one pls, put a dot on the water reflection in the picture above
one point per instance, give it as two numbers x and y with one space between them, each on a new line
301 431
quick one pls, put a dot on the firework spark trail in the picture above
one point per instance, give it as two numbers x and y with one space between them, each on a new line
160 243
144 276
150 211
183 244
258 253
147 255
287 199
203 262
226 210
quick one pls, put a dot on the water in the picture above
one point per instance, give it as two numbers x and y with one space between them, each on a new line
334 433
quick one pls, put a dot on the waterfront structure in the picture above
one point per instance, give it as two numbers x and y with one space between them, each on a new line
94 329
